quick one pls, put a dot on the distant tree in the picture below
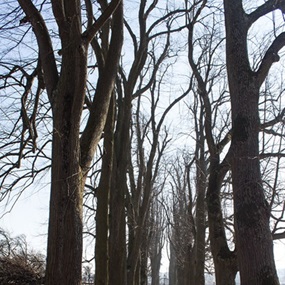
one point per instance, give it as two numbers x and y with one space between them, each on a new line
156 227
139 139
182 227
87 273
19 264
208 68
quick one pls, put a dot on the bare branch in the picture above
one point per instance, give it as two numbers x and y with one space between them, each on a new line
270 57
279 118
264 9
279 236
91 31
44 43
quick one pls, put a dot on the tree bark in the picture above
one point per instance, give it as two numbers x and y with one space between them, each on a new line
253 238
72 155
67 180
102 215
225 260
118 268
144 264
155 255
172 272
200 221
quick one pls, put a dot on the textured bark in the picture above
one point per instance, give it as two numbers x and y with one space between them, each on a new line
144 264
182 256
117 240
183 276
155 242
72 156
134 254
67 181
200 242
253 238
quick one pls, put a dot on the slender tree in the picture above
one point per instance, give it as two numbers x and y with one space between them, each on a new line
207 68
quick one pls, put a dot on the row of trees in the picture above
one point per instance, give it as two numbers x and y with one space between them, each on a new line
104 119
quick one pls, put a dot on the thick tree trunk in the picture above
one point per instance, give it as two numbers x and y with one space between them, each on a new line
72 155
253 238
67 181
65 221
183 277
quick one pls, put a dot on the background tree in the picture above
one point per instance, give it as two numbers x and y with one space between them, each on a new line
182 231
206 62
19 264
156 227
138 145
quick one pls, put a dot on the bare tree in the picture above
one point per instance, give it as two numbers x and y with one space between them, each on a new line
208 68
156 227
65 81
252 212
132 188
19 264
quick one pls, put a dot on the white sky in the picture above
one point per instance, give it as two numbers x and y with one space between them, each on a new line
30 216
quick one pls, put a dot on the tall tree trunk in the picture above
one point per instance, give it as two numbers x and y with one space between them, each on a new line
143 266
117 240
144 254
200 223
119 189
155 266
65 221
102 215
172 266
72 155
138 236
142 215
224 259
67 181
253 237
